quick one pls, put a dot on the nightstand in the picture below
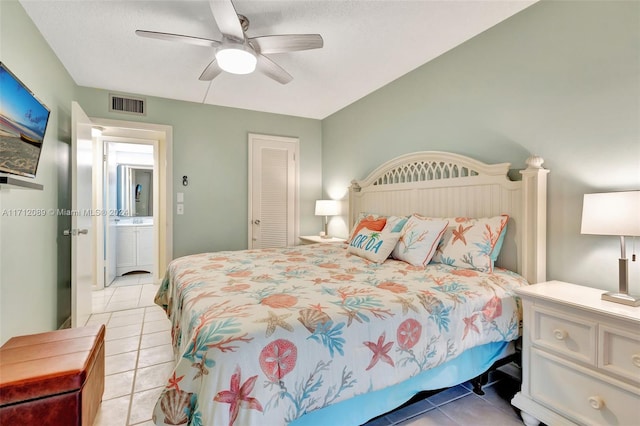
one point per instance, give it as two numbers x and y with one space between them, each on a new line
313 239
580 357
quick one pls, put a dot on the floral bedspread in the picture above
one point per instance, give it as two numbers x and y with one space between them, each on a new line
264 336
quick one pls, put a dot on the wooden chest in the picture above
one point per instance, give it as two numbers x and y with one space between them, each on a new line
54 378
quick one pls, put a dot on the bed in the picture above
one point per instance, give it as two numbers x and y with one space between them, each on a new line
338 334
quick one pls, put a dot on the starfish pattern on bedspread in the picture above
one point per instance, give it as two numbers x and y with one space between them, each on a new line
238 396
274 320
380 351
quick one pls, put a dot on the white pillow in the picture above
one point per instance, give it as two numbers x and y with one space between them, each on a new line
419 239
395 223
469 243
375 246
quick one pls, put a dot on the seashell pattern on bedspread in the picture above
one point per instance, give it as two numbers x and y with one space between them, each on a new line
262 337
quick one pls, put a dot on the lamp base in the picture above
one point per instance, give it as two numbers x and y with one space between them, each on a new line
625 299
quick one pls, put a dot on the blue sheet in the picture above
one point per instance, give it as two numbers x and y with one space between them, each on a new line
362 408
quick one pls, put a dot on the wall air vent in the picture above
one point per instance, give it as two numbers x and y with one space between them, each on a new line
127 104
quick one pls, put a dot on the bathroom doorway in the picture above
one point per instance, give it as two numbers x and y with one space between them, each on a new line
137 139
129 189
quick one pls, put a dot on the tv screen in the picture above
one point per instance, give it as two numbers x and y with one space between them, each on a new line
23 122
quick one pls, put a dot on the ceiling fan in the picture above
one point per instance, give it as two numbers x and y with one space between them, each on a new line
237 53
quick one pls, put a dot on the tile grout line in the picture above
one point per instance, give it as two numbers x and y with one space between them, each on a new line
135 369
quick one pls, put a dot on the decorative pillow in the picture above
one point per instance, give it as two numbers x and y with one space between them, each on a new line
395 223
469 243
418 240
375 246
370 222
496 249
369 215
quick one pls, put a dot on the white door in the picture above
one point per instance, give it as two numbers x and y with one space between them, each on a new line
82 245
273 191
110 187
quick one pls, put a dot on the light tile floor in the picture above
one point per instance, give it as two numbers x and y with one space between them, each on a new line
138 351
139 358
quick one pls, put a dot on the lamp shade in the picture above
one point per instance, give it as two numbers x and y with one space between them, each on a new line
327 208
611 213
236 59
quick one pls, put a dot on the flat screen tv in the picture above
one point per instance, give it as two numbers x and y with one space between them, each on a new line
23 122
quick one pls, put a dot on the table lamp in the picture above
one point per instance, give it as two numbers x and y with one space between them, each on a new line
614 213
327 208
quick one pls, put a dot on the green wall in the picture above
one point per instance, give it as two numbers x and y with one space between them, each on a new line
559 79
210 146
35 259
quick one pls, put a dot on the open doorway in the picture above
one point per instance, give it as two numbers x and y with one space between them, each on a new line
136 149
129 174
92 132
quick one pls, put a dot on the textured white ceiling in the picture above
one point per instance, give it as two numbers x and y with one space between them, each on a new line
367 44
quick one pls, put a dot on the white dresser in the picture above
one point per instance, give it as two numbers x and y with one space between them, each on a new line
580 359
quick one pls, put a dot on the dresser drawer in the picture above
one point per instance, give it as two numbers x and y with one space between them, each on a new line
579 394
619 353
570 335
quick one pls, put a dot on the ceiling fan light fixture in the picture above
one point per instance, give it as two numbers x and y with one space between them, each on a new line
236 59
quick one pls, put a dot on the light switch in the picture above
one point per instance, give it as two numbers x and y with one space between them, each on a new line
180 209
181 197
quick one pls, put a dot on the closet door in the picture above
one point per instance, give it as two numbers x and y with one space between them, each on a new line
273 189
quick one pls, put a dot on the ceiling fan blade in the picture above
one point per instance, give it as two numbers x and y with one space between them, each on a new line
273 70
211 71
286 43
226 18
179 38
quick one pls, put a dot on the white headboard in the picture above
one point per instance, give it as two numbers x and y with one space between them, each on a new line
441 184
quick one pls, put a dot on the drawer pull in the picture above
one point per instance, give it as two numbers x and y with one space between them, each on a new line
560 334
596 402
635 360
